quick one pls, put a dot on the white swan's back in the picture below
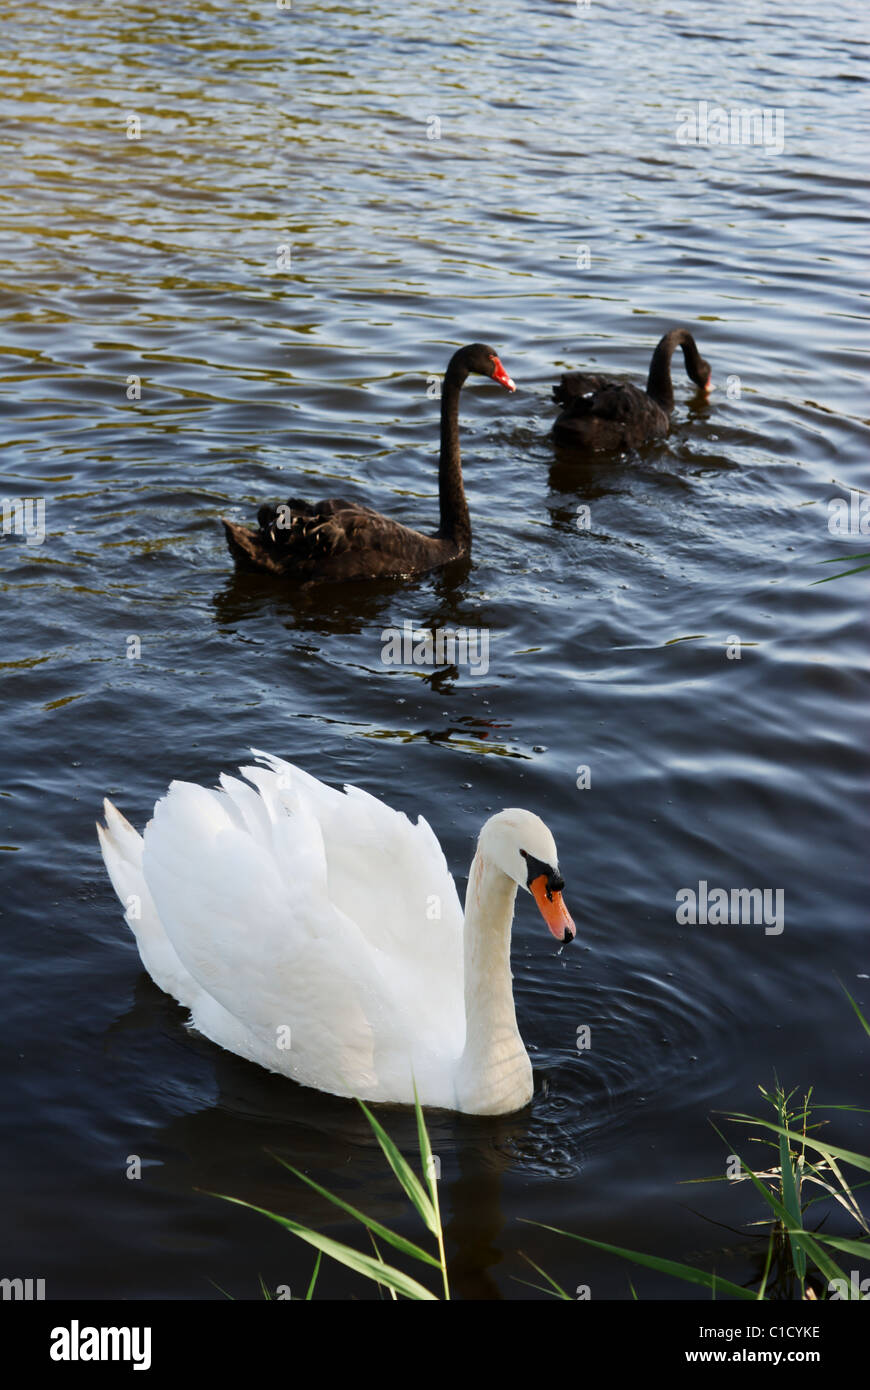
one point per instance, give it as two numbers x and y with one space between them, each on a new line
315 932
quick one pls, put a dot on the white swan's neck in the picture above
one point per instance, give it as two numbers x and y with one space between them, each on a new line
494 1074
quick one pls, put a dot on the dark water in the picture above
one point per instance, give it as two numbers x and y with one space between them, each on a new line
157 258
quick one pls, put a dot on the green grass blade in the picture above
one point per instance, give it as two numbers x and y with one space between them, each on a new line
858 1160
808 1243
842 575
540 1288
432 1179
822 1260
762 1288
838 559
344 1254
789 1192
861 1019
773 1202
407 1247
860 1248
427 1164
310 1294
555 1289
858 1109
853 1187
844 1195
392 1292
403 1171
679 1271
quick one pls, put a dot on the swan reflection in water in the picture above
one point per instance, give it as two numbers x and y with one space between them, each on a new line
231 1145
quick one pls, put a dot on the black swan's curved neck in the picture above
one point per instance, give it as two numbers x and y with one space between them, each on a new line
659 384
455 521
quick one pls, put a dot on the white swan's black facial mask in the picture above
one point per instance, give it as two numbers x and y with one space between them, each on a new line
545 885
537 867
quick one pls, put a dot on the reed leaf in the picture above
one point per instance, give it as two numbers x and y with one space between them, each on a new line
407 1247
826 1150
838 560
310 1293
861 1019
377 1270
679 1271
403 1171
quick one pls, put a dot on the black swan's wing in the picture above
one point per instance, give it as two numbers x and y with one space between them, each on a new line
575 385
608 415
331 527
619 402
333 539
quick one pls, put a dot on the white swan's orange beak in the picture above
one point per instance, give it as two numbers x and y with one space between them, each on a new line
553 910
501 376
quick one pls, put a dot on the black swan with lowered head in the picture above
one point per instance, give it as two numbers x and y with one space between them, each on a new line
336 540
600 413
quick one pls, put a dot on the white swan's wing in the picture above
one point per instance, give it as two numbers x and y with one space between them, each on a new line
387 873
325 923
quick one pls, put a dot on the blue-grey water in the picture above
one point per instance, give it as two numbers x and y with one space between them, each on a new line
436 174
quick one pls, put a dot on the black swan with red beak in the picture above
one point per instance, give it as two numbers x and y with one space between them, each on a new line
337 540
600 413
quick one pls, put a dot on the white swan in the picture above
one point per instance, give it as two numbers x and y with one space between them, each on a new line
319 933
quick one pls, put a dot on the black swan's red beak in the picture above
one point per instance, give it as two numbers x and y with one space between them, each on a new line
501 376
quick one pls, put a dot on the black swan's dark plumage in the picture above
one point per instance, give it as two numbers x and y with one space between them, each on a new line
600 413
338 540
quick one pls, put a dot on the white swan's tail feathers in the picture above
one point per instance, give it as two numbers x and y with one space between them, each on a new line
119 834
122 852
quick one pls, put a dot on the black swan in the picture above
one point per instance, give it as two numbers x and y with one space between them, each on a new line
343 541
600 413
